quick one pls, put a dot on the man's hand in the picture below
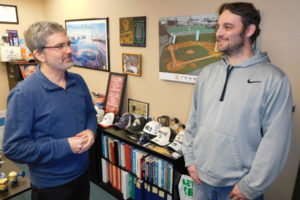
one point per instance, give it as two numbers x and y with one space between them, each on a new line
77 143
235 194
194 174
89 135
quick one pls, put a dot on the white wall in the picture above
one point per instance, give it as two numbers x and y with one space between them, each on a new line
279 37
28 12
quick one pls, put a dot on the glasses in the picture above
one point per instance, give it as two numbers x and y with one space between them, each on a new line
61 46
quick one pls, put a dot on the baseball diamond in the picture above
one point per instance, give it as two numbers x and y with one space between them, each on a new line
188 54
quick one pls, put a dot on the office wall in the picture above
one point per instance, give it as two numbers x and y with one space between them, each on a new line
28 12
279 37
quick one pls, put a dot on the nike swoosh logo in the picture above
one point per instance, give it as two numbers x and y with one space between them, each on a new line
249 81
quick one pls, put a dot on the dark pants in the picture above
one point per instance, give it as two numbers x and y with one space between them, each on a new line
76 189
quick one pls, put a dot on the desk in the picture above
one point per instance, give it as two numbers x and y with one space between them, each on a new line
22 185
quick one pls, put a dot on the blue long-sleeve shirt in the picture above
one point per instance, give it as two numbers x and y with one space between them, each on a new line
40 118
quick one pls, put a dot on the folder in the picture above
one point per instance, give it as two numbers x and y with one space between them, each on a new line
139 190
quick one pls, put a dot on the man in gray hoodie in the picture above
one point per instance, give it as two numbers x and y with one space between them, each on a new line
239 130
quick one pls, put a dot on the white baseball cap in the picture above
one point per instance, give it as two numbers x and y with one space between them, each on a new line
163 136
152 128
108 120
179 136
177 143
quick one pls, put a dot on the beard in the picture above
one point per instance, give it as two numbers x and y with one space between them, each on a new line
63 63
235 45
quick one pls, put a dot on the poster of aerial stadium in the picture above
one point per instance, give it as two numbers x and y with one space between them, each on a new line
186 45
90 42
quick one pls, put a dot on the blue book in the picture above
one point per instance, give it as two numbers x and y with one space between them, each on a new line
151 171
170 177
162 173
134 161
156 171
103 144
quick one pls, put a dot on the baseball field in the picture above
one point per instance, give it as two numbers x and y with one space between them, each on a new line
188 55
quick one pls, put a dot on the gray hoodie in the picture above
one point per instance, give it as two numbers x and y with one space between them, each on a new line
240 125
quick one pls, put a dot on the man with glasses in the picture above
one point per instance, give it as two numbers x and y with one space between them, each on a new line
51 120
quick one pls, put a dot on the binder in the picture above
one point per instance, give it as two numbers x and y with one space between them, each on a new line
154 193
147 189
110 173
133 161
116 151
166 170
125 184
118 178
103 145
105 172
139 190
123 155
131 186
127 150
162 195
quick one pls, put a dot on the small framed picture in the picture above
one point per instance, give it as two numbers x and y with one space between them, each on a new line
138 108
131 64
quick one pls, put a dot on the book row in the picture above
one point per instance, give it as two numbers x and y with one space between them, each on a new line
144 166
129 185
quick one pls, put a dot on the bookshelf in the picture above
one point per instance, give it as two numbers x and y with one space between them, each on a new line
17 70
128 170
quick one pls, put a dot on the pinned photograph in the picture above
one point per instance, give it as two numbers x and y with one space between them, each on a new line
131 64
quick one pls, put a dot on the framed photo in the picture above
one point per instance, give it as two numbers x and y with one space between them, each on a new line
89 42
133 31
131 64
115 93
138 108
8 14
27 69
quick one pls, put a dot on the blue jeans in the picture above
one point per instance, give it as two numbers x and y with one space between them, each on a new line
207 192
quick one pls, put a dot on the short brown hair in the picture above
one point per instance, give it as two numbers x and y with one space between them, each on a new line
248 13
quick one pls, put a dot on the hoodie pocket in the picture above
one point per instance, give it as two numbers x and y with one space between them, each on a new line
216 154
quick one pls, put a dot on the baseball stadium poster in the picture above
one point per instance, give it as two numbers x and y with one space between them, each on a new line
186 45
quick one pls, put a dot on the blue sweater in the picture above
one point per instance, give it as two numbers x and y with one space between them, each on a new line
40 117
243 138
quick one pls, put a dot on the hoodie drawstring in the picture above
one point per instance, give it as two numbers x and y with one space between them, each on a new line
229 69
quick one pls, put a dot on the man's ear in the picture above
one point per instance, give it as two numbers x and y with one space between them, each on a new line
250 30
39 55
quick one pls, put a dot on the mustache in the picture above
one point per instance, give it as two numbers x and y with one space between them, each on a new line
69 55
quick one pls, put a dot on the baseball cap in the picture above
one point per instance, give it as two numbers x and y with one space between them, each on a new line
175 145
163 136
152 128
137 125
125 121
108 120
143 139
179 136
177 142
